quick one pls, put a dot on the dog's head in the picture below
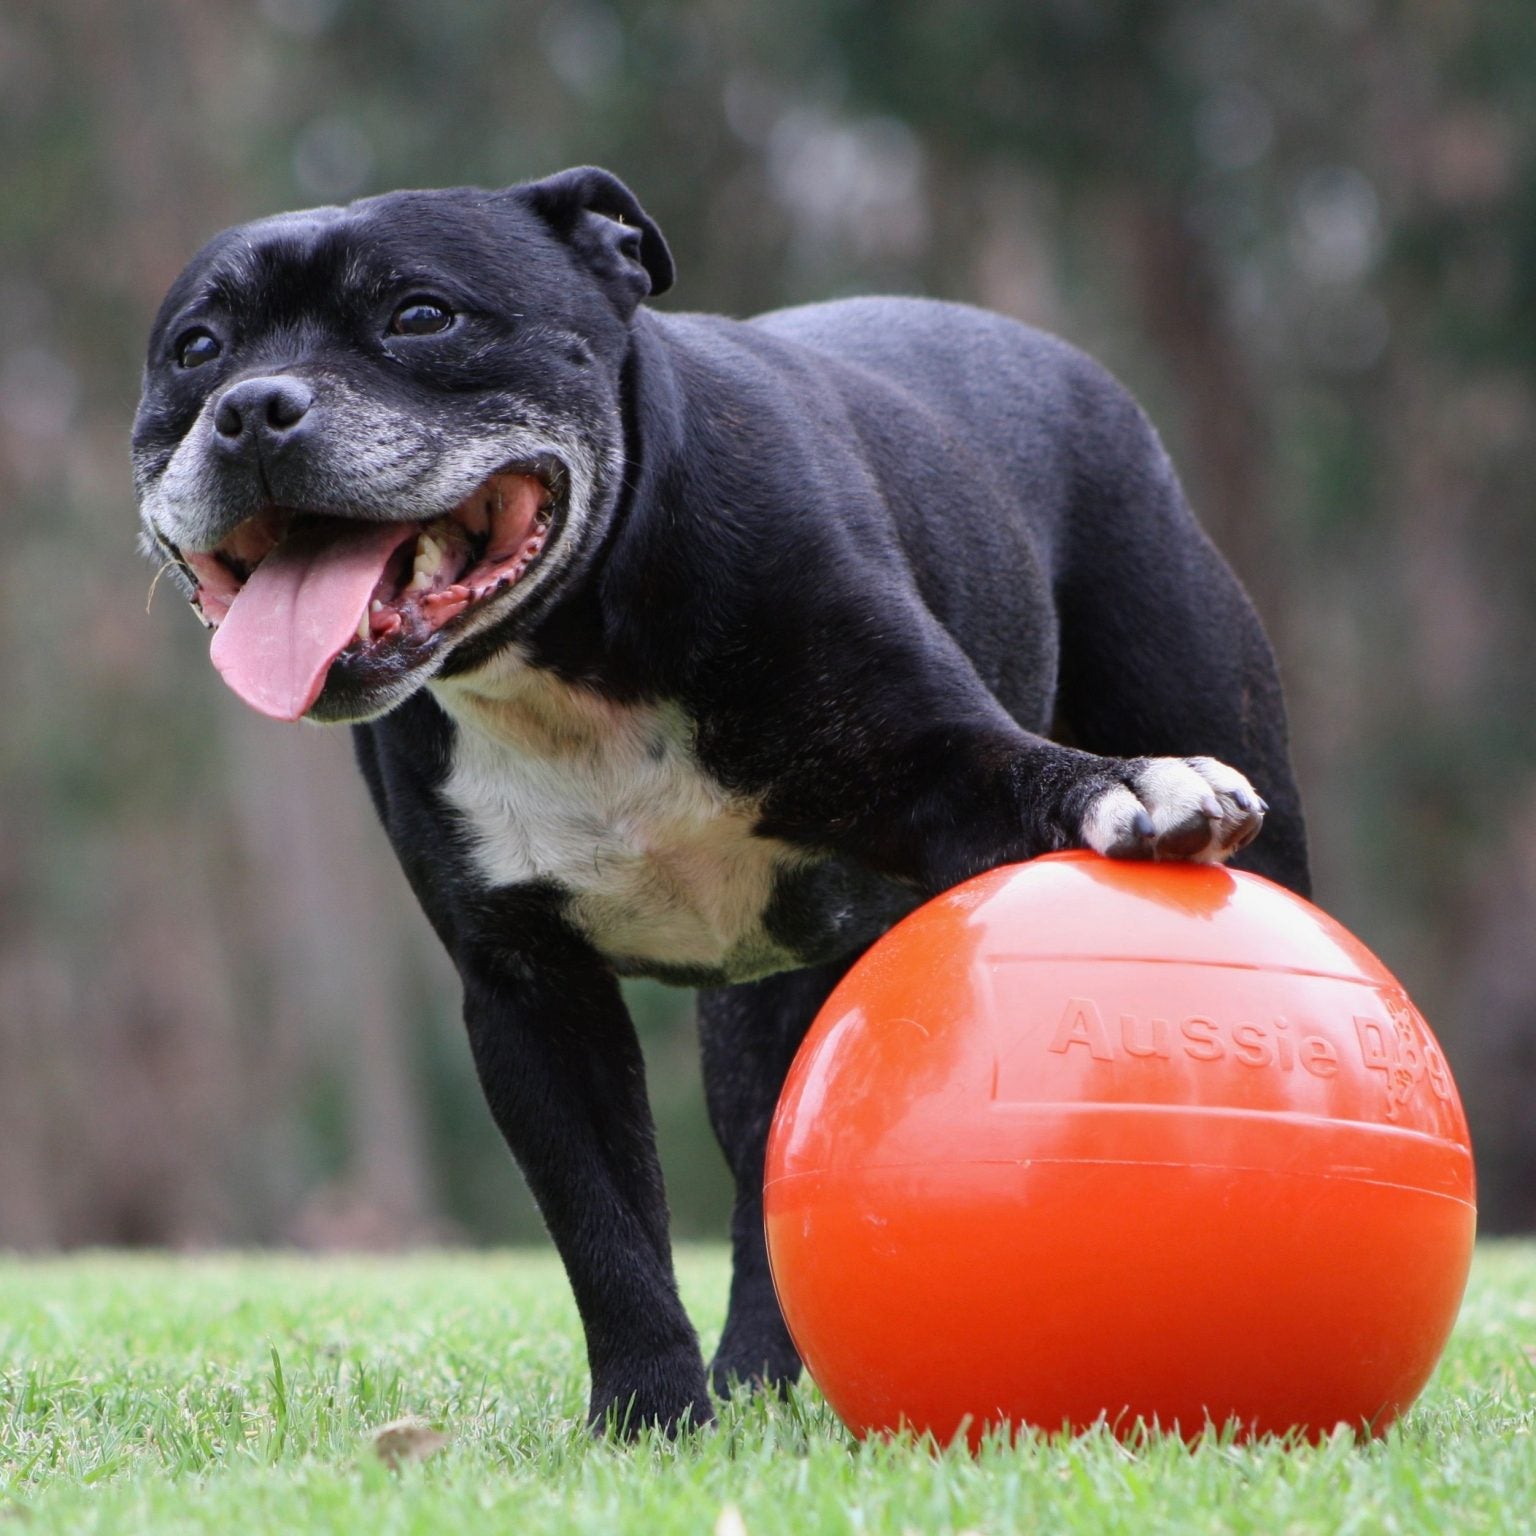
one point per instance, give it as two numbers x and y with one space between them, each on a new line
371 434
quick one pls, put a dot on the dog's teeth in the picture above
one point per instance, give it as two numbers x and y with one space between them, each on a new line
426 563
429 555
364 628
376 606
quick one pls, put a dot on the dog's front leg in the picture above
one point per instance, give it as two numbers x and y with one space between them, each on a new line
958 798
561 1069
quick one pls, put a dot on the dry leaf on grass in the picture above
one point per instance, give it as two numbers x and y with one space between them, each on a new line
406 1440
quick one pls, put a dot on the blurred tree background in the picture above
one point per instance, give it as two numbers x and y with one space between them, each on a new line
1304 231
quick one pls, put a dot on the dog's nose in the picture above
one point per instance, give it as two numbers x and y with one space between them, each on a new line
269 410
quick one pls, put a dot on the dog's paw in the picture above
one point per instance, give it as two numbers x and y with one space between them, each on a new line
760 1359
1174 808
666 1393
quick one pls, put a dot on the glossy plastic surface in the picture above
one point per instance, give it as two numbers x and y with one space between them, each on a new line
1084 1139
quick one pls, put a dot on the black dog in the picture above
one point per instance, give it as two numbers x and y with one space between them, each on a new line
686 648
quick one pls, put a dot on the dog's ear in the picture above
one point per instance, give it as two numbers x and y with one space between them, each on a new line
601 219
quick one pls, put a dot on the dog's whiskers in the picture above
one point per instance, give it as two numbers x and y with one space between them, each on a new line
149 602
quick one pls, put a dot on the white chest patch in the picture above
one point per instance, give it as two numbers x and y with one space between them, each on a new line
608 801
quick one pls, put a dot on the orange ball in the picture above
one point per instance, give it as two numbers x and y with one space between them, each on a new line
1083 1140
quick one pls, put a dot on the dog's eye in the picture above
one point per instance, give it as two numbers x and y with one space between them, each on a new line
420 317
197 347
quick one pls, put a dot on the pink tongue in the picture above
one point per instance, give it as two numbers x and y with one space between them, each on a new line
299 609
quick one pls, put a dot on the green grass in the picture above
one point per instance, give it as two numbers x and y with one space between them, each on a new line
239 1394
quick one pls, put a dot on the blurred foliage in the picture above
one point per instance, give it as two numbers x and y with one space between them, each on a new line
1304 231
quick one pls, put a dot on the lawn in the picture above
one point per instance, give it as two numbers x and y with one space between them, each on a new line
242 1395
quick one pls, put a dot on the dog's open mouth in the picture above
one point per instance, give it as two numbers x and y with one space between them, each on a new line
293 592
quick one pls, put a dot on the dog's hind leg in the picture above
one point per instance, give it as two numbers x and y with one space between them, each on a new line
748 1035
